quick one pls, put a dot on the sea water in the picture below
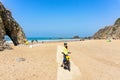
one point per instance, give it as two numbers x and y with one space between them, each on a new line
45 39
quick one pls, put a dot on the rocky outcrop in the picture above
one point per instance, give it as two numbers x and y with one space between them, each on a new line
9 27
109 31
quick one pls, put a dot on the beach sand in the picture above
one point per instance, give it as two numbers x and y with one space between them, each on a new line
39 64
97 60
94 59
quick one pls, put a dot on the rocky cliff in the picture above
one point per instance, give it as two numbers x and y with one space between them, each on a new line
9 27
109 31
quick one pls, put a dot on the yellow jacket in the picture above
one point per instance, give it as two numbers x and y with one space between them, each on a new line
65 51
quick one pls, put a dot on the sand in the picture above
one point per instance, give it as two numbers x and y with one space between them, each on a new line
63 74
97 60
94 59
40 63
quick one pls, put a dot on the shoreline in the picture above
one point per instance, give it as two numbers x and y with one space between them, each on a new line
49 41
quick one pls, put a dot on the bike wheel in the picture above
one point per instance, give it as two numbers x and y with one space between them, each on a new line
69 66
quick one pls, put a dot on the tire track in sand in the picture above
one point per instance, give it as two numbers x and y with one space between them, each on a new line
62 74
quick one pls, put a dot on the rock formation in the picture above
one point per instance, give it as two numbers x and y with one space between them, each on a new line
109 31
9 27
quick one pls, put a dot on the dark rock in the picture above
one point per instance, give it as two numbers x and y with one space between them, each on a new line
1 46
76 37
109 31
8 26
20 59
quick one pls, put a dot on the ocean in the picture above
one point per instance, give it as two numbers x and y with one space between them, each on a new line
39 39
47 39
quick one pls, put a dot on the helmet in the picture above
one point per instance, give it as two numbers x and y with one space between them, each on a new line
65 43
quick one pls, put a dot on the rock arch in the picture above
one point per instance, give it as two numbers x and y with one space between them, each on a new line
8 26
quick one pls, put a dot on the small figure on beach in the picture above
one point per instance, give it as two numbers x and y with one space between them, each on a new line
26 42
32 41
109 40
36 41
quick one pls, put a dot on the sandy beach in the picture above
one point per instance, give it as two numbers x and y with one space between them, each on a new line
94 59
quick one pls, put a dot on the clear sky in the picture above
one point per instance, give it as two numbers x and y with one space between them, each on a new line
63 18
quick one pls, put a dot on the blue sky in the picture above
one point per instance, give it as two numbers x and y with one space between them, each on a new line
63 18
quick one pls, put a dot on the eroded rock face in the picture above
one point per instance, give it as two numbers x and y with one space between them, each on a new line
8 26
109 31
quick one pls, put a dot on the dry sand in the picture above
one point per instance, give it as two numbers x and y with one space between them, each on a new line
40 63
95 59
63 74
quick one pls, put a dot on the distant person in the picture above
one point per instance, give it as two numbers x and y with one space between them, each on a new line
42 42
36 41
32 41
26 42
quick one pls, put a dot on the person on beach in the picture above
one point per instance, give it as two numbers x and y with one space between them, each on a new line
26 42
65 53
